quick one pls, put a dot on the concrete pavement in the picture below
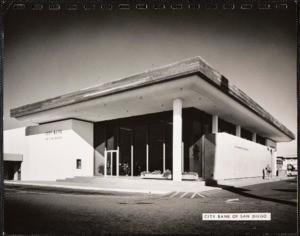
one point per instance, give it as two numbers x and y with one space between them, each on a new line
137 185
28 211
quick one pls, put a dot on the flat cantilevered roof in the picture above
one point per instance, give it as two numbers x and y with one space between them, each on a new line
193 80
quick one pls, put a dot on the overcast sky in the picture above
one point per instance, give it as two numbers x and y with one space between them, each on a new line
53 53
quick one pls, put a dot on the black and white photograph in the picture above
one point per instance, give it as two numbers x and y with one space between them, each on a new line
150 117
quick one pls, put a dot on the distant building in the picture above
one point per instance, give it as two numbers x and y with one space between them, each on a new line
184 116
289 164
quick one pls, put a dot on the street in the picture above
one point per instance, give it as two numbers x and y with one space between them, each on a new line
34 211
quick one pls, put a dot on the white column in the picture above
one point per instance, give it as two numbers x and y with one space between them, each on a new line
238 131
177 138
215 125
254 137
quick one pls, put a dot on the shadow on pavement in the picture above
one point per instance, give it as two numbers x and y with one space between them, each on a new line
43 189
286 190
292 181
245 192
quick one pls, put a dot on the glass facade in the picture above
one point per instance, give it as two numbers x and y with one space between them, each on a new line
227 127
134 134
146 141
139 145
260 140
246 134
155 141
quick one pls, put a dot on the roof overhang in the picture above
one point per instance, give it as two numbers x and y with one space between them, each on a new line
192 80
12 157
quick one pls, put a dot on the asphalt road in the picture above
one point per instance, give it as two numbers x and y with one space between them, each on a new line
35 211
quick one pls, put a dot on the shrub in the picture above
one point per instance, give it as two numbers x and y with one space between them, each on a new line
101 169
190 173
166 173
145 172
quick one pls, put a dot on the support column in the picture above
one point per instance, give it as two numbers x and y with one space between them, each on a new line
215 124
254 137
177 139
238 131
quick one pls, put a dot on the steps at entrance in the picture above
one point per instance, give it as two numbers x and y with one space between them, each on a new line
128 180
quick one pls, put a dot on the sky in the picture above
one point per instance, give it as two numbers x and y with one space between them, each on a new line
50 53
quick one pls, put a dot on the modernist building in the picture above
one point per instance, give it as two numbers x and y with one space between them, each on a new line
184 116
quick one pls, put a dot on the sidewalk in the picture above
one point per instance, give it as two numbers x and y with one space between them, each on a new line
137 185
251 181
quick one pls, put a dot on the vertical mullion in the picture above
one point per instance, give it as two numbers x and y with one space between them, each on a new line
132 130
147 144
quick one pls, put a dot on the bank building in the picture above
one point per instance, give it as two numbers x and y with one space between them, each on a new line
182 117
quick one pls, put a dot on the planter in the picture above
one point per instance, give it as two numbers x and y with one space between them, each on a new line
167 175
155 176
160 176
189 177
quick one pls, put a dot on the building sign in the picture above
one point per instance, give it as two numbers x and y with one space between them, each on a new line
53 135
242 148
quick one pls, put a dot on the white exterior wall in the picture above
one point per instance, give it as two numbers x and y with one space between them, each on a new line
84 132
235 157
14 142
51 156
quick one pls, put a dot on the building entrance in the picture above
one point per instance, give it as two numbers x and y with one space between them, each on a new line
111 163
12 170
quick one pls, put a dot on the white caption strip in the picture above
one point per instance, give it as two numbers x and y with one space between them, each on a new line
236 216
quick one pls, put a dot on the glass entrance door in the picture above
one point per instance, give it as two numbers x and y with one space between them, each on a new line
111 163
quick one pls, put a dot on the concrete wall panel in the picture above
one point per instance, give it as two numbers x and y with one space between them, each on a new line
235 157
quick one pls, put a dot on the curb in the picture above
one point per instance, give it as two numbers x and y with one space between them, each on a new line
54 186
